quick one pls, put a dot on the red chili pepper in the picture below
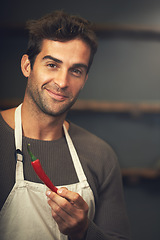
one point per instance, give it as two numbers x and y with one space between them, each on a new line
40 172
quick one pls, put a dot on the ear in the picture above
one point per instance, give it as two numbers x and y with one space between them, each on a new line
25 65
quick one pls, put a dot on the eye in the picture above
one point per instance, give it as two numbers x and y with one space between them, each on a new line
51 65
76 72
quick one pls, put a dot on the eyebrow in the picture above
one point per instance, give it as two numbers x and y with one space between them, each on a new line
52 58
76 65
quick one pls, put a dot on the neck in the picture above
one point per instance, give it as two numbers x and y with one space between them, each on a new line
38 125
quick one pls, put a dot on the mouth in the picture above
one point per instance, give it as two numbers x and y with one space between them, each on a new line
56 95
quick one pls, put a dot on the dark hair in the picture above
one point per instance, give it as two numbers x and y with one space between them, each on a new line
59 26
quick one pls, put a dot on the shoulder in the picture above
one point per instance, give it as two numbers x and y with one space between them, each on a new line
98 151
83 136
8 116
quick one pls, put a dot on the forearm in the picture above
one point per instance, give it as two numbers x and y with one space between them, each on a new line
95 233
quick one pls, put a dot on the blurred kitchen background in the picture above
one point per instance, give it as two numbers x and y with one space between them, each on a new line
121 100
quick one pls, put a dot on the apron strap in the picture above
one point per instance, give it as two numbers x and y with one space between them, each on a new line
18 133
18 144
78 167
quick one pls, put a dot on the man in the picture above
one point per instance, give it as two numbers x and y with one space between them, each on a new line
89 202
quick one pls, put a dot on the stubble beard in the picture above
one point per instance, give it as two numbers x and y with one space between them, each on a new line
50 107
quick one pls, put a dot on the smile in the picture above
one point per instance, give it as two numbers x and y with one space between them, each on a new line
56 96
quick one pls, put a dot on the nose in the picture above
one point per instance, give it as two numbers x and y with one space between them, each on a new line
61 78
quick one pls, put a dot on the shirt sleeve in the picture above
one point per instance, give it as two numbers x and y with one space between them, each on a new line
111 221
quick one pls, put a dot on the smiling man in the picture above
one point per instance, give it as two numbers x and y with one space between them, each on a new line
89 203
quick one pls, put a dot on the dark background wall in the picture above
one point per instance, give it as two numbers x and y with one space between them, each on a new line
125 69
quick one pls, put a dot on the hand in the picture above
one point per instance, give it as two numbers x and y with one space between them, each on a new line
70 212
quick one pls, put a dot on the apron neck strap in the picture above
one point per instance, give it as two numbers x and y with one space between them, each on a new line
75 158
18 133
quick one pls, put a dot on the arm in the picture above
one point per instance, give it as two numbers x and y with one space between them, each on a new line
111 221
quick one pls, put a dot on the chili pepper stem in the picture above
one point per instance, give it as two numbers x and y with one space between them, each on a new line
33 158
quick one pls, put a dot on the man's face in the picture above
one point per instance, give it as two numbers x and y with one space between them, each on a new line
58 75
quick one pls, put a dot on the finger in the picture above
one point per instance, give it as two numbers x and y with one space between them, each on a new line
60 200
60 210
60 205
73 197
63 213
62 220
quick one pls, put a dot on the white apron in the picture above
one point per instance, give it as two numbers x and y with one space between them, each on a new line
26 214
